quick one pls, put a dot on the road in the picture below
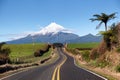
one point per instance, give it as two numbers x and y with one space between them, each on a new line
62 69
70 71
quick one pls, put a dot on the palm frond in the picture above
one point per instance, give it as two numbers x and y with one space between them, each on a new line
112 16
103 14
103 18
113 26
97 15
98 26
95 19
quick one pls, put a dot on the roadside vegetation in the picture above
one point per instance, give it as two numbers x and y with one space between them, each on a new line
105 56
4 54
82 49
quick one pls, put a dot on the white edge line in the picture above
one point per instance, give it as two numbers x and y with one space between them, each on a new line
90 71
12 74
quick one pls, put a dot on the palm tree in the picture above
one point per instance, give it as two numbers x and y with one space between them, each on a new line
103 18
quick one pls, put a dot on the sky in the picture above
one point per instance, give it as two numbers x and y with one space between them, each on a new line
21 17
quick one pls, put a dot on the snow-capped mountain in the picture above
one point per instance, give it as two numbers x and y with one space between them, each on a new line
52 28
56 33
51 33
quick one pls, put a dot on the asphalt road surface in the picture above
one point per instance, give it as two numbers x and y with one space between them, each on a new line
70 71
63 68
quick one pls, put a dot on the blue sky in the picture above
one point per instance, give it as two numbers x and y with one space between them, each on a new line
18 17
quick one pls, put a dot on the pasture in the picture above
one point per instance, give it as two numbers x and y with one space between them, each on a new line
25 52
83 45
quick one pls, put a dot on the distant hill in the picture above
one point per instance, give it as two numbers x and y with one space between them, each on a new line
86 38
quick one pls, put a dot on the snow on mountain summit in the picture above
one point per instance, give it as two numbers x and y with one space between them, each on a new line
52 28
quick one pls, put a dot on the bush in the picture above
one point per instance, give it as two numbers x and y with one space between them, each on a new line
102 48
73 51
103 63
4 54
100 64
117 68
118 49
94 54
110 37
5 51
4 59
85 55
40 52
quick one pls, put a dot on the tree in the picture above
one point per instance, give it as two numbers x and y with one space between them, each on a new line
103 18
4 54
1 44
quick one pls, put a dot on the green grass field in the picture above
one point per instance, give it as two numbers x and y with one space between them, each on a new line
83 45
25 52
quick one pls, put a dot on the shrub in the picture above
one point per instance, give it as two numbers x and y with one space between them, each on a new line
5 51
1 44
103 63
4 54
94 54
117 68
40 52
73 51
4 59
100 64
110 37
118 49
85 55
102 48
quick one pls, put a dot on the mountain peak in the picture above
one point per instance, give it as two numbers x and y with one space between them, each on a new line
54 25
53 28
90 34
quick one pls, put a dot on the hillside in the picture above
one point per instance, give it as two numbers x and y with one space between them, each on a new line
86 39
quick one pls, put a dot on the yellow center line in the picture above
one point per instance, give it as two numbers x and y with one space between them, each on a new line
57 70
53 77
58 73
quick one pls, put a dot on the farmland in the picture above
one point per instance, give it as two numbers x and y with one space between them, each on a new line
83 45
25 52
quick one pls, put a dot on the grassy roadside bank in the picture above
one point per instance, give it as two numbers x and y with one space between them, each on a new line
85 66
54 57
109 77
25 54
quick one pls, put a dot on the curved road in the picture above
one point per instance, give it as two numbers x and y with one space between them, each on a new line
62 69
70 71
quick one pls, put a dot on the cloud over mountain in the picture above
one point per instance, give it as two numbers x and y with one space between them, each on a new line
52 28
